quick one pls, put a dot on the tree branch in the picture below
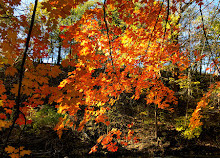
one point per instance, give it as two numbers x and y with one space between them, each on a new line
107 29
206 39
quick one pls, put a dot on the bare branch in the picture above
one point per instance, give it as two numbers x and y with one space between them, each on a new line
203 27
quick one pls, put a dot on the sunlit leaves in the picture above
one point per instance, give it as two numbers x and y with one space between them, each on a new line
63 121
127 64
93 149
195 120
121 51
161 96
58 9
113 138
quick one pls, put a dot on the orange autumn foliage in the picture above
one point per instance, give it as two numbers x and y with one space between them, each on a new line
131 51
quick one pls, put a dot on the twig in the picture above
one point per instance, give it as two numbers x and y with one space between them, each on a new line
168 12
206 39
107 29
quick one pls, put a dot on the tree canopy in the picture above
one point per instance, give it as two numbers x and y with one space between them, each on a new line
81 56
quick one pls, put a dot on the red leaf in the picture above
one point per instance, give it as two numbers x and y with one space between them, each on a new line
2 116
207 69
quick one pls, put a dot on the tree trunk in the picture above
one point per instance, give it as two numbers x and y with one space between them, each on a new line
59 52
156 124
188 94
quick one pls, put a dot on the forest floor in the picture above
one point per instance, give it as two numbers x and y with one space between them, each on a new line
45 143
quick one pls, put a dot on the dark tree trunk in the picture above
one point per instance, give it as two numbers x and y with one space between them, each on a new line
59 52
156 124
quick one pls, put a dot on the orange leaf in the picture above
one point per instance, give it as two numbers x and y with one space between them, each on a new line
99 139
93 149
9 149
8 111
59 133
207 69
11 71
25 152
106 140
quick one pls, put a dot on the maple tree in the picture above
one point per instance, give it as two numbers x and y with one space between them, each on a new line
118 46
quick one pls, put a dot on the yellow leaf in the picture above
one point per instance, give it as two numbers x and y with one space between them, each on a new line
84 51
63 83
100 139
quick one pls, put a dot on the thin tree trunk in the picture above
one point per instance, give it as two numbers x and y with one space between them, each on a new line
189 78
51 52
21 74
188 94
200 71
201 59
156 124
59 52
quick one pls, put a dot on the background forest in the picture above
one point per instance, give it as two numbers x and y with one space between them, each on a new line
109 78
